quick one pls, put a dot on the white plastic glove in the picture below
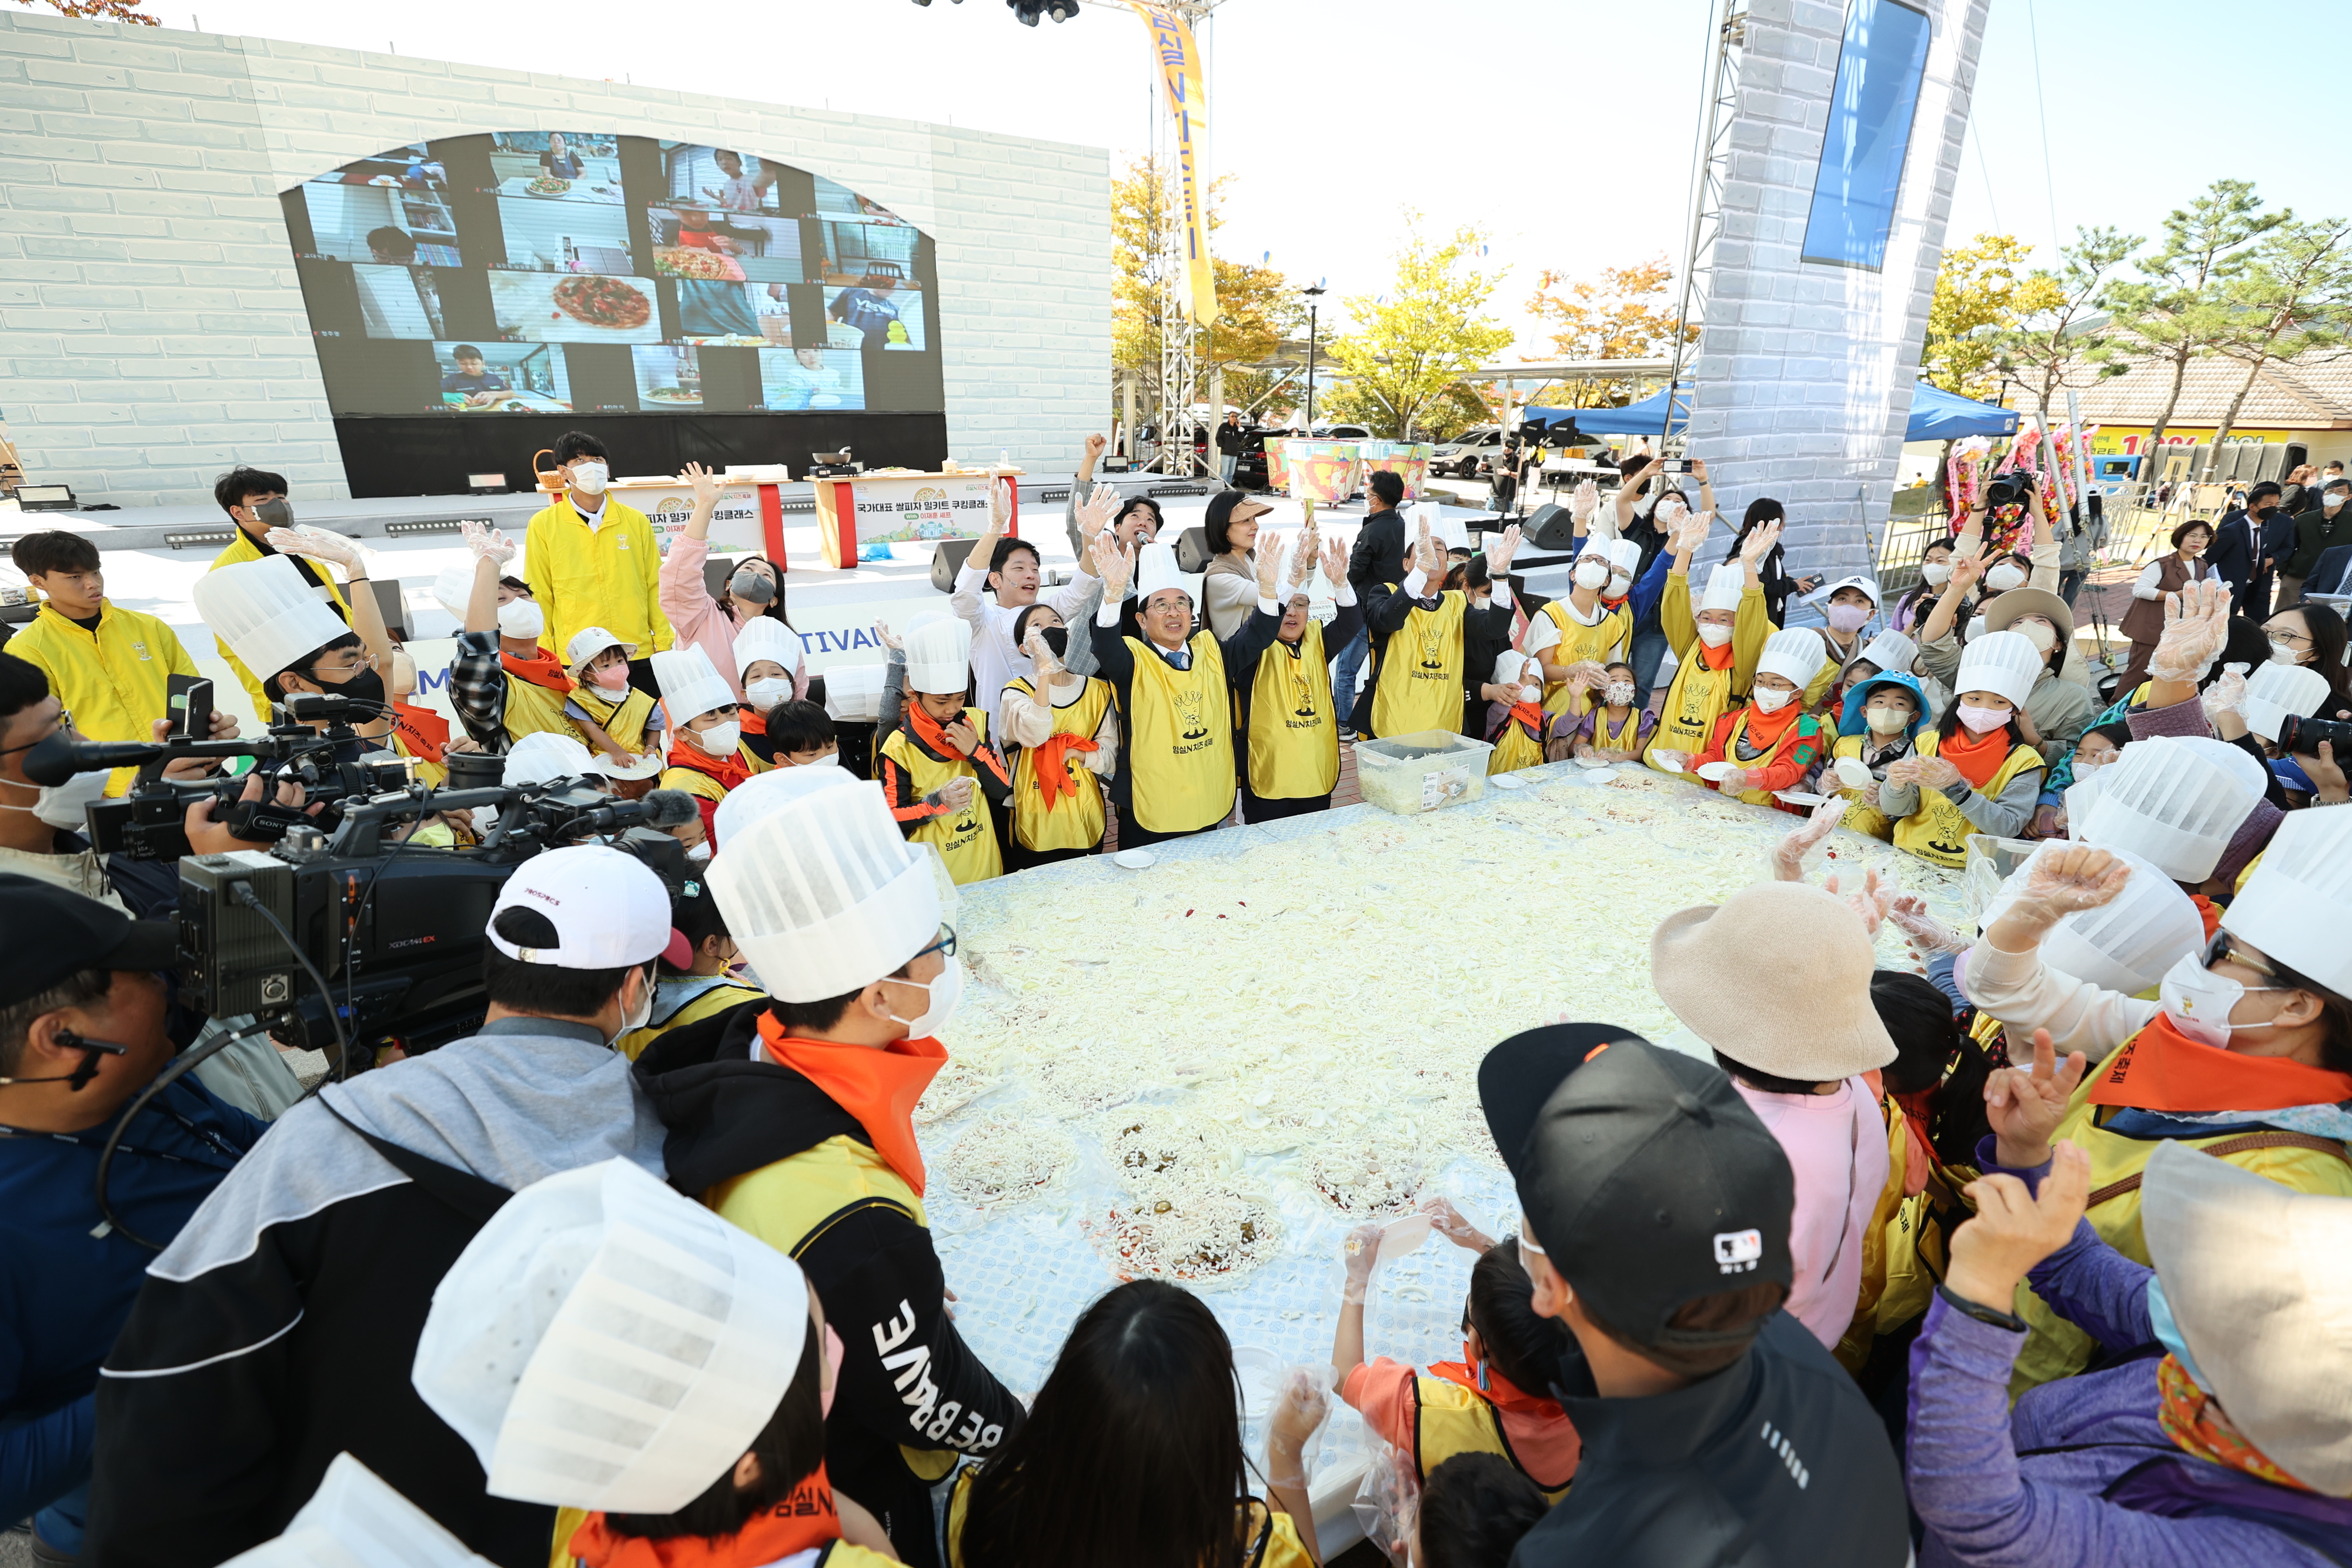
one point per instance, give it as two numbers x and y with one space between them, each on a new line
1873 903
2227 694
1447 1221
1788 855
2196 623
1290 1437
1926 933
488 543
319 545
1360 1253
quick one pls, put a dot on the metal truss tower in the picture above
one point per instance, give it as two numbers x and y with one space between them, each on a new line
1710 166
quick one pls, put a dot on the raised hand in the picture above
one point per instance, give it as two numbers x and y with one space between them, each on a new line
488 543
1966 569
2025 1104
1302 562
888 638
1693 530
1270 555
1000 506
1041 654
1760 544
1498 556
2196 623
2063 878
1583 499
1359 1254
1788 855
1096 447
708 485
1113 565
319 545
1924 932
1873 903
2013 1230
2226 696
1335 565
1095 510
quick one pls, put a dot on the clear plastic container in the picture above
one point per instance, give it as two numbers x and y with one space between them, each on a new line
1409 773
1990 861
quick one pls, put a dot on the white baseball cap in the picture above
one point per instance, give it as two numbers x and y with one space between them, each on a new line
608 908
589 641
355 1521
268 614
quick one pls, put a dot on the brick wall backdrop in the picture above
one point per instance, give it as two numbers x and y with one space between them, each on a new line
151 328
1805 371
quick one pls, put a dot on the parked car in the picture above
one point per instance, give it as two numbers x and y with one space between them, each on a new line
1466 454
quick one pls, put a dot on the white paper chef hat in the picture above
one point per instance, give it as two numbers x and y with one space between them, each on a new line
824 895
544 755
1624 557
604 1342
1511 669
2297 906
2175 800
355 1521
764 792
452 587
1725 584
2275 691
938 657
1795 654
2126 943
268 614
1891 651
690 687
2006 662
765 637
586 644
2256 1275
1155 568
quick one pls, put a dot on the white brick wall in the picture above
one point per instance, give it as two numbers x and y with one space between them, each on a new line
1805 371
151 328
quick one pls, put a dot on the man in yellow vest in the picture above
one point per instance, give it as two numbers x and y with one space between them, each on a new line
1585 628
1175 772
794 1121
1418 628
254 500
1282 681
593 561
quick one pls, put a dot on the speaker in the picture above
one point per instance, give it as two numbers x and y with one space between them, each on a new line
947 560
1192 550
393 609
1549 527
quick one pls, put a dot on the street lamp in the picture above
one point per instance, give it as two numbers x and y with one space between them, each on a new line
1314 298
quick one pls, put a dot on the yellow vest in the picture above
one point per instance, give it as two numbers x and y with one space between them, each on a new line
701 785
606 577
243 549
1076 821
1860 815
1788 737
966 839
1936 832
1273 1540
1696 699
1600 642
112 681
533 710
1449 1420
1853 1351
684 999
1179 740
2056 1348
432 775
625 721
1294 731
1514 749
1420 683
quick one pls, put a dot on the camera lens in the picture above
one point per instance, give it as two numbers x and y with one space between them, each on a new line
2303 736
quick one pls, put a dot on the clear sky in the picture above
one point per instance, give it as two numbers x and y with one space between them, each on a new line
1563 127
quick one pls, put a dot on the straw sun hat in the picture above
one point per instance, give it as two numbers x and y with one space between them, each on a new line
1777 978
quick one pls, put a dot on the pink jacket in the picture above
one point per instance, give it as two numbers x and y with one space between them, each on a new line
699 619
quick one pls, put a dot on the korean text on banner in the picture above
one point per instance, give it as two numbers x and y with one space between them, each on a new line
1179 58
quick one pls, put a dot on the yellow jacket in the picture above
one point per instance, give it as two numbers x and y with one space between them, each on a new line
244 548
112 681
604 576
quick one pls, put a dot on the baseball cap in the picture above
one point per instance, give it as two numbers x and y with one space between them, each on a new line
1647 1181
608 908
54 933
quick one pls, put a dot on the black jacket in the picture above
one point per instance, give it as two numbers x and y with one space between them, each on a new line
1230 438
1378 554
2236 551
1776 1461
872 1265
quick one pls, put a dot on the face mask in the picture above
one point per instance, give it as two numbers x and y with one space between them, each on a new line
2283 654
2043 637
946 992
1672 512
1057 639
2332 500
1531 693
1886 720
719 739
768 691
612 682
589 478
1713 635
1982 720
1848 617
1772 702
1591 574
1936 574
63 804
1645 505
521 619
2168 1332
2199 1001
1619 587
1620 694
2004 577
642 1014
274 514
2092 764
751 585
700 851
403 673
830 760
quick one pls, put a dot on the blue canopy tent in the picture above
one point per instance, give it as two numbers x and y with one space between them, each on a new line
1936 416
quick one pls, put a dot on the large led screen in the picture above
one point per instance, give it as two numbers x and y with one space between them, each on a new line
1875 94
578 271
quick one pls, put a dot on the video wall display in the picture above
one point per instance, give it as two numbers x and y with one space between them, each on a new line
580 271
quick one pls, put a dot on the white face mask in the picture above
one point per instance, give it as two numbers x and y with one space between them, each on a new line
2004 577
522 620
1886 720
2283 654
1619 587
1591 574
700 851
768 691
64 805
589 478
1772 702
2041 636
2199 1001
1936 574
719 739
2333 499
1531 693
643 1013
1983 720
1713 635
1672 512
1618 695
830 760
946 992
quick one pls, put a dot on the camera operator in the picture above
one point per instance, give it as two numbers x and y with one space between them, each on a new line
82 1031
280 1328
268 614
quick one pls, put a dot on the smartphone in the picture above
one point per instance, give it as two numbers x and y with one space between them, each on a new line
190 698
1674 465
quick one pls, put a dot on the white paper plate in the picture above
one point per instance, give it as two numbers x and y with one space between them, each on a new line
1601 775
1713 771
1670 764
1853 774
1590 762
1400 1237
1508 781
1799 797
1133 859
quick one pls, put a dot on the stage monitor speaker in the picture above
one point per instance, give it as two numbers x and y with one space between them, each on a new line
1192 550
947 560
1549 527
393 609
716 572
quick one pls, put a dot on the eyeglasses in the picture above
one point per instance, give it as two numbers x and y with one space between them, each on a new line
333 672
945 947
2222 949
2282 634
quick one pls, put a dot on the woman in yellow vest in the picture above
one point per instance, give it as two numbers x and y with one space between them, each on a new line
1176 768
1068 738
1496 1399
1974 773
613 717
1282 680
2246 1055
1419 629
695 980
1584 627
1132 1453
707 754
947 784
254 500
1716 640
1515 719
1881 725
1772 743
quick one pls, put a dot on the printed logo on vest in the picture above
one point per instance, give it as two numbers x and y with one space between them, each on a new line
141 649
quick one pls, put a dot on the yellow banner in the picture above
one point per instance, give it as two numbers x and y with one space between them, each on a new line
1178 59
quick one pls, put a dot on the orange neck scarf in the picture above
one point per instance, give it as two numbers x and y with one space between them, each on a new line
1051 761
877 1087
422 730
1500 1391
2162 1069
2191 1419
752 721
2208 912
1978 758
1531 716
1715 658
540 669
728 771
929 731
805 1519
1764 730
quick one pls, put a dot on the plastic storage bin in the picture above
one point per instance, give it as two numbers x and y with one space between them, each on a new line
1409 773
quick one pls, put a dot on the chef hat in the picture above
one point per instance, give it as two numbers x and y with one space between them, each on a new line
268 614
1869 586
586 644
1155 568
453 588
2004 663
824 894
1796 655
763 793
765 637
1624 557
2175 800
355 1521
2275 691
1511 668
2125 944
1725 585
543 755
2298 906
604 1342
1891 651
690 686
938 658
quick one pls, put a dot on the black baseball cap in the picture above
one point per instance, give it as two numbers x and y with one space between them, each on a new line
1645 1178
54 933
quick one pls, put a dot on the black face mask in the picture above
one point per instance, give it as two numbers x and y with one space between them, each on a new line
753 586
366 686
2258 512
1057 638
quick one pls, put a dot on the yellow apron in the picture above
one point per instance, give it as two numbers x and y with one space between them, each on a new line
1600 642
625 721
1938 832
1788 737
684 999
1076 821
1623 737
1860 815
1294 734
1853 1351
1514 749
701 785
966 839
535 710
1697 698
1180 747
1420 681
1449 1420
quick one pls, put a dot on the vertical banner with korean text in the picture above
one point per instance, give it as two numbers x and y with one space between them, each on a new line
1178 59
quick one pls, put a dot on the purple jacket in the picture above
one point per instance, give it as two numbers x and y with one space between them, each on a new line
2080 1473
